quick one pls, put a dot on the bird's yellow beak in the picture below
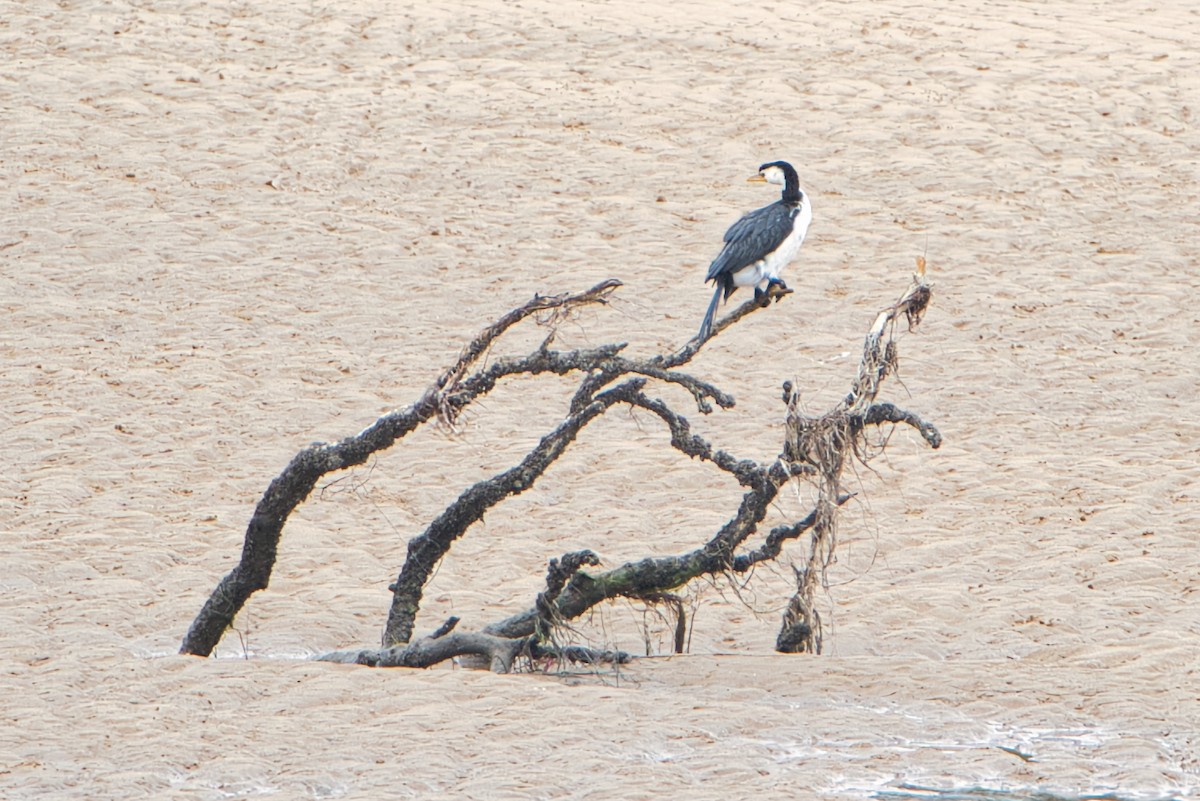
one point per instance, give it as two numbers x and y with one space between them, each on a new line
757 179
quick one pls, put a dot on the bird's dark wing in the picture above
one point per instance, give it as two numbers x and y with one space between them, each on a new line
755 235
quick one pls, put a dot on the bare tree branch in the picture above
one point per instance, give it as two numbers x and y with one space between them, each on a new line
838 429
879 413
773 544
559 305
661 365
427 651
559 572
297 480
813 447
426 549
746 471
659 574
676 603
445 628
536 363
498 653
828 441
774 292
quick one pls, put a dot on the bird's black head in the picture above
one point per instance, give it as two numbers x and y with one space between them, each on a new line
782 165
783 174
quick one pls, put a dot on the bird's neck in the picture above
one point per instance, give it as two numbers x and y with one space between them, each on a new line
791 189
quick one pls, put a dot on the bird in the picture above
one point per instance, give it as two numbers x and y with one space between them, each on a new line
760 244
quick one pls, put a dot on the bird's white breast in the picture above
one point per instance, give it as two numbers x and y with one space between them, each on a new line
771 265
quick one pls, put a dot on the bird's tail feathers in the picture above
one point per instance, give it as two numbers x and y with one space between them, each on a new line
707 326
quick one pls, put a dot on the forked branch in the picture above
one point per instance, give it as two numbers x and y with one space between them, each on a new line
815 447
450 393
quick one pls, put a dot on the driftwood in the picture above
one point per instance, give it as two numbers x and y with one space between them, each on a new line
609 379
497 653
829 441
446 398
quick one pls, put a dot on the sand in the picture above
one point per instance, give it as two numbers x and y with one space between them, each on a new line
229 230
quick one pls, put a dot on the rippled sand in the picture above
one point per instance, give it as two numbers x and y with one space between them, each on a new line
229 230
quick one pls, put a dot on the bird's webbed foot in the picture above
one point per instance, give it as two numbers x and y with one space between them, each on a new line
776 289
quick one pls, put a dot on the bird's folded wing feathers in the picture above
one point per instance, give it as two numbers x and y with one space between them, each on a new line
755 235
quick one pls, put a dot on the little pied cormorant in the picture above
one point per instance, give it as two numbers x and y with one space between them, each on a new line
760 245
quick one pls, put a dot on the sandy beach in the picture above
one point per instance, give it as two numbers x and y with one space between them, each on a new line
229 230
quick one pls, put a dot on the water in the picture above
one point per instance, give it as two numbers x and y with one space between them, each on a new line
909 792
